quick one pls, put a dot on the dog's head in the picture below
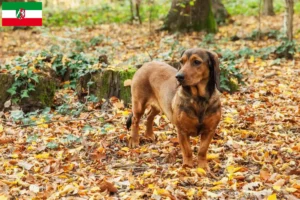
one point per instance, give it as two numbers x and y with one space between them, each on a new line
199 65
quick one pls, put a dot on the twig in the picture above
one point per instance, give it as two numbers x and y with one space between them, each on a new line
130 166
149 55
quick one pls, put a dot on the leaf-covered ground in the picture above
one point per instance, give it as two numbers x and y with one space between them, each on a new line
255 152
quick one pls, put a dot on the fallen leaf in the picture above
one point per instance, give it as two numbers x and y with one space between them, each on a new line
107 186
127 83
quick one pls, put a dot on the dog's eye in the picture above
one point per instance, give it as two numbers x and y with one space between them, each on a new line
181 62
197 62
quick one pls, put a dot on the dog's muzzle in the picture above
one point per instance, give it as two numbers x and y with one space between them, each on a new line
180 77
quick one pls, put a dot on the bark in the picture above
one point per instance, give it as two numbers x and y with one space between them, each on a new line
268 8
219 11
289 19
191 15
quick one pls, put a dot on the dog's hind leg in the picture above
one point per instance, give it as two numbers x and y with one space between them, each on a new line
149 134
138 109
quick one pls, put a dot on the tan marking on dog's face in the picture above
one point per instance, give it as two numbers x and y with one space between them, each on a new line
183 59
194 66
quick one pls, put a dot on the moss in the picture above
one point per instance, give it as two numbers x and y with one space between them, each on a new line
125 92
101 87
209 24
45 92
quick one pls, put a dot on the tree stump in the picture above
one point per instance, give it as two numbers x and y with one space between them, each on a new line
42 97
105 84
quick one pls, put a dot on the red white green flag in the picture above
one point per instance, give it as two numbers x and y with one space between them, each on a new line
22 14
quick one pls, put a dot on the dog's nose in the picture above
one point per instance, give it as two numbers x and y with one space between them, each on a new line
180 77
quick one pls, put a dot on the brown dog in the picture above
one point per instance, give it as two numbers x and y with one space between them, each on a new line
189 98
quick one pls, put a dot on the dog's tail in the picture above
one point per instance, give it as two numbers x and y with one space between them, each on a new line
129 121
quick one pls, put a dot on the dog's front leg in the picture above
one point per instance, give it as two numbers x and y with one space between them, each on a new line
206 137
209 126
187 154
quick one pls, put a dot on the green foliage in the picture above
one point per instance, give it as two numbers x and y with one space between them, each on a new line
251 7
286 48
32 138
30 118
230 76
242 7
104 12
25 77
208 38
52 145
71 139
271 34
26 70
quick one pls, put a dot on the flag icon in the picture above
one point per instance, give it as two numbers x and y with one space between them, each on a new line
22 14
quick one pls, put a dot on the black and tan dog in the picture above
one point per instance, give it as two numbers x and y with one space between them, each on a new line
188 97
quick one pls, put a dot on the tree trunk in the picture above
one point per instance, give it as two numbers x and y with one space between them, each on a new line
219 11
288 20
191 15
268 8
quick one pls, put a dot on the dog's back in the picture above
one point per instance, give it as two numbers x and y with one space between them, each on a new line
155 84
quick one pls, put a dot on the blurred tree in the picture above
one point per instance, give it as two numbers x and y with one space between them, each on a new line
135 6
268 7
219 11
191 15
288 19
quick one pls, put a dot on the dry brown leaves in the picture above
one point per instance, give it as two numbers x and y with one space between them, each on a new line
255 153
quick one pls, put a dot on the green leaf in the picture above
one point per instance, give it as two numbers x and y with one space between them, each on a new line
52 145
24 94
32 138
12 90
35 78
17 114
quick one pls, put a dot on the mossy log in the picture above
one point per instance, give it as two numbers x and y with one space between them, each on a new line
105 84
42 96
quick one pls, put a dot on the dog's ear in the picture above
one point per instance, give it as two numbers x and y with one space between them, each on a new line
214 67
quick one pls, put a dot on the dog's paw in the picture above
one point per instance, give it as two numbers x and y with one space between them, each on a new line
188 163
203 164
133 143
150 137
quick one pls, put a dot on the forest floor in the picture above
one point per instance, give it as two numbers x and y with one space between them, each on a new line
255 152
